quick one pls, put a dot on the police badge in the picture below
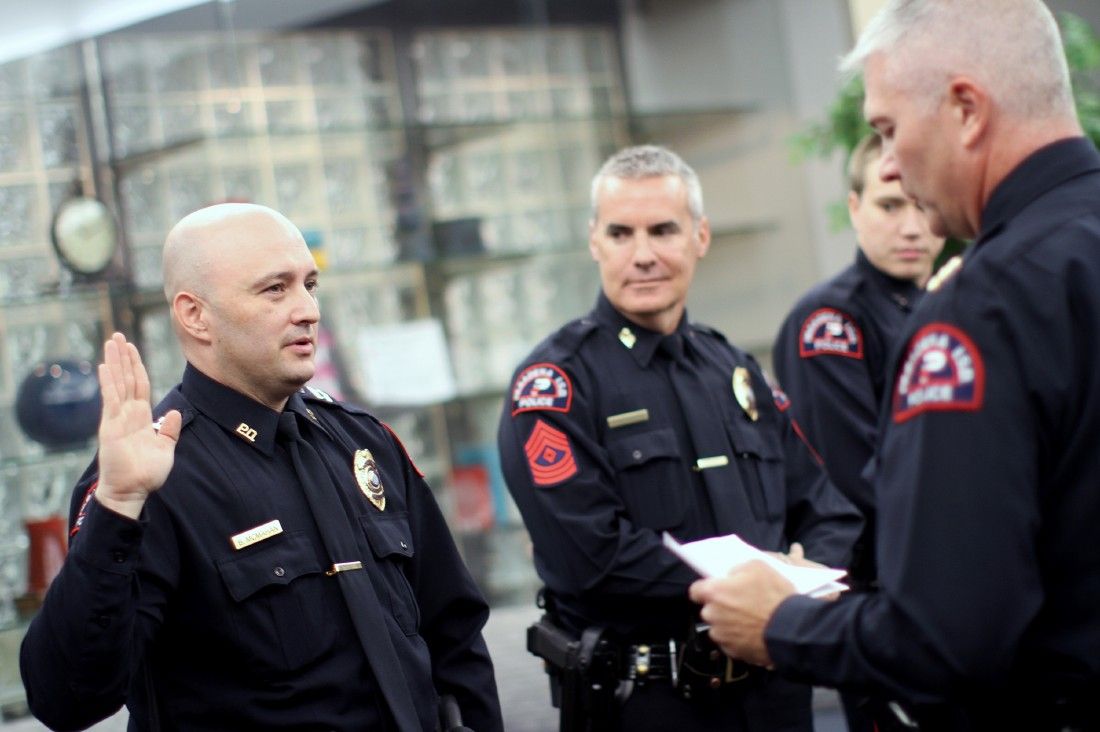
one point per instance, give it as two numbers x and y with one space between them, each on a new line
370 482
743 392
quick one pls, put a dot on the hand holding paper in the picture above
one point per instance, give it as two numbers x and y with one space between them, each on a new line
717 556
742 589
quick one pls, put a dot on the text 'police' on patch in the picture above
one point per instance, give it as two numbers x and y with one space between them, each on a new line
542 386
942 371
829 332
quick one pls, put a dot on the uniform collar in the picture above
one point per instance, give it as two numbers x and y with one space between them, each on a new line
901 292
646 341
243 417
1044 169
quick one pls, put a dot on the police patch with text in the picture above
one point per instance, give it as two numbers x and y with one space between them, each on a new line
542 386
942 371
829 332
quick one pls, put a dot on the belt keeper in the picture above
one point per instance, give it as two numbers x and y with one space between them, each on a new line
338 567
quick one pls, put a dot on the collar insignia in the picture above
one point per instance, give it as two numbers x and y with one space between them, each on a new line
627 337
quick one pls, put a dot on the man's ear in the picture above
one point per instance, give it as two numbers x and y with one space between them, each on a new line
971 108
702 237
593 245
190 313
853 206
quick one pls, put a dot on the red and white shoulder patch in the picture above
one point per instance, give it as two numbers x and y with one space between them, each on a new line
542 387
549 455
829 332
942 371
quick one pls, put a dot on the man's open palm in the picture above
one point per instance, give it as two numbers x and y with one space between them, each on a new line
134 458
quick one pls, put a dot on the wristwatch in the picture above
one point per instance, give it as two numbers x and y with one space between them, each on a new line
84 235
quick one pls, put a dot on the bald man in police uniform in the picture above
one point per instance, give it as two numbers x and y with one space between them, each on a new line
262 557
633 421
988 610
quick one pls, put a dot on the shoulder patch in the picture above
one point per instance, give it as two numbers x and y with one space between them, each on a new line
942 371
82 513
829 332
549 455
782 401
542 387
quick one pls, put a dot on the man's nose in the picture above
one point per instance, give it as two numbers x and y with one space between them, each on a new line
643 250
888 168
307 309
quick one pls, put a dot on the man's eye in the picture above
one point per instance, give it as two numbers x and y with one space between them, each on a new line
279 287
312 285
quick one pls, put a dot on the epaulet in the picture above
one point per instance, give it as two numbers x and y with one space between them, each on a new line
708 331
173 400
318 396
566 340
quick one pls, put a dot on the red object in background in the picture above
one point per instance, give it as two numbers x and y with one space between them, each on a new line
472 504
48 546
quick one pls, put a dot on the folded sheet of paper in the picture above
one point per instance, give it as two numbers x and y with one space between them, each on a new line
717 556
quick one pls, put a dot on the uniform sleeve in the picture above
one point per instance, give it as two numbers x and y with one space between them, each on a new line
833 399
818 515
452 612
86 642
958 525
563 483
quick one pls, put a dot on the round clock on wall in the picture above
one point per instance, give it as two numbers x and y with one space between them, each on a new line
84 235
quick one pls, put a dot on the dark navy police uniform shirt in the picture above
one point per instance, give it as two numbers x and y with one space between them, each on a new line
988 490
256 637
831 356
597 450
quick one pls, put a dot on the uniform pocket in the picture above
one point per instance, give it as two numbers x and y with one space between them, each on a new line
392 545
760 459
280 601
651 477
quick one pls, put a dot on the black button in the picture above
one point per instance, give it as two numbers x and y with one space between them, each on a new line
279 571
101 620
119 557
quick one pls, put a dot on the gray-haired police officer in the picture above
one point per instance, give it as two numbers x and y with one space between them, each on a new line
632 421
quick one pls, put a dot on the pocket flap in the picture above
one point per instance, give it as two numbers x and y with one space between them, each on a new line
277 561
759 439
388 534
638 449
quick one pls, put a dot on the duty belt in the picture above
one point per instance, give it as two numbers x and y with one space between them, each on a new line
691 666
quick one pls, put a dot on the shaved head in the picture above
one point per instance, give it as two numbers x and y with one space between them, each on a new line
197 245
241 286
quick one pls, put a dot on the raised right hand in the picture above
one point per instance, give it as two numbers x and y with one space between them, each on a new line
134 458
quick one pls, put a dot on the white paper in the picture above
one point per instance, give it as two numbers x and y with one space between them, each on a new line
406 363
717 556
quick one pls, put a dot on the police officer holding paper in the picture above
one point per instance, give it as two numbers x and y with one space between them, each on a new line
988 613
633 421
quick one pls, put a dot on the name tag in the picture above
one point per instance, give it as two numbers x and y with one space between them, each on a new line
257 534
622 420
711 462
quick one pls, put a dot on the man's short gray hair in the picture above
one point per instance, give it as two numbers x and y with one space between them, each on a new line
649 161
1011 47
